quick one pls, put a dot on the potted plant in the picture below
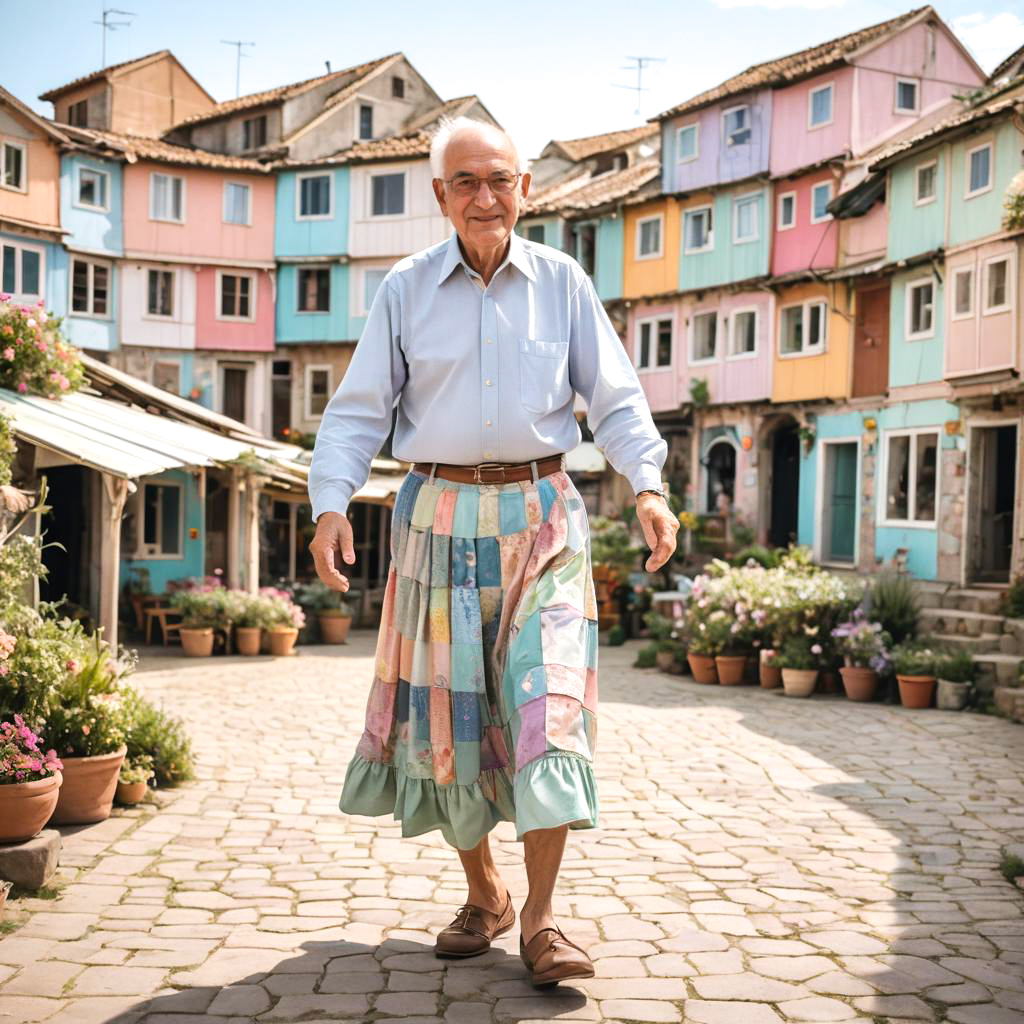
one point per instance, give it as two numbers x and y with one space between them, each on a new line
702 647
200 616
769 672
86 726
731 662
954 674
284 619
133 780
333 615
248 619
863 645
799 662
914 663
29 782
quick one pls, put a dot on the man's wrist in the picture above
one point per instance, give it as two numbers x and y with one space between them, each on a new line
653 490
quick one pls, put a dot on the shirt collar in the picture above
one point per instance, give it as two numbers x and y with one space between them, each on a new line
517 256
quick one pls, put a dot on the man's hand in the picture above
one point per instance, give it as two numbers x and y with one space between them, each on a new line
660 527
333 534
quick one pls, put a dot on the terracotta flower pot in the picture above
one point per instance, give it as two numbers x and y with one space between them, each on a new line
951 696
282 640
197 643
859 683
799 682
703 668
247 639
130 793
664 659
730 668
25 807
87 792
770 676
916 691
334 627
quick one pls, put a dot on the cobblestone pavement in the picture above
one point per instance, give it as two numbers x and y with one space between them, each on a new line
760 859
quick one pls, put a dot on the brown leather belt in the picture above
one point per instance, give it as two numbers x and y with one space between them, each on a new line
492 472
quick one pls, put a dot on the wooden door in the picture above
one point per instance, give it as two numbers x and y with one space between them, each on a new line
840 532
871 341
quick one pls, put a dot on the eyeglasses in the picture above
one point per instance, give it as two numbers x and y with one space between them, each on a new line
465 185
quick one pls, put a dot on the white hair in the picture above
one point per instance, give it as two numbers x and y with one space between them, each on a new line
448 128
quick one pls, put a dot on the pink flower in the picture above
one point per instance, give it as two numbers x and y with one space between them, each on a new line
22 387
815 648
41 345
72 665
4 668
63 383
86 730
8 330
8 352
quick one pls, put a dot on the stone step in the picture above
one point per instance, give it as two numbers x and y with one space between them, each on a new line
974 599
956 620
986 643
997 669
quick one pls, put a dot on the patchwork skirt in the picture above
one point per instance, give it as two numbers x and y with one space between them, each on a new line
484 697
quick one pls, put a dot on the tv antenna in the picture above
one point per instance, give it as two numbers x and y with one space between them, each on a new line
639 65
238 44
110 26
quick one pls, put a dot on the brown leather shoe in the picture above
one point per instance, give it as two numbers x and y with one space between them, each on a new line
552 958
472 930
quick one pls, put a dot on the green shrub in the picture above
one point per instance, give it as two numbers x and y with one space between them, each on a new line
155 734
645 657
957 666
798 652
616 636
916 658
757 553
893 601
1012 604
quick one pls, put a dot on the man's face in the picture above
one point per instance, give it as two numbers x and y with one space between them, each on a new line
485 220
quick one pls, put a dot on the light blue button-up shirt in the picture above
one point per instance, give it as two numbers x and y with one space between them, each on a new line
483 374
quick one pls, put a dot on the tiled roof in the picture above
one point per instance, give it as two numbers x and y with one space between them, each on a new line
345 77
795 66
591 145
139 147
1016 58
102 73
586 192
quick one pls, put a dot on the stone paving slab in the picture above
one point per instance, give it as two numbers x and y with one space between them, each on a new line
761 860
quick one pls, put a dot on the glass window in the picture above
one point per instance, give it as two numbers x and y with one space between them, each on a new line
897 491
963 292
166 196
31 264
78 114
664 353
397 87
744 332
388 194
925 471
535 233
92 187
926 182
804 328
921 297
787 210
236 203
996 277
13 166
748 211
235 295
821 194
697 229
365 121
906 96
912 466
315 195
314 289
643 359
821 105
10 270
319 390
792 339
650 236
254 132
90 287
160 293
371 282
162 518
687 142
816 325
705 329
737 126
980 169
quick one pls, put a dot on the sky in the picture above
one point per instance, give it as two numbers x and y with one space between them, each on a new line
544 68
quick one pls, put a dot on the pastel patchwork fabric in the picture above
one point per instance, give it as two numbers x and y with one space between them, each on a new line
484 700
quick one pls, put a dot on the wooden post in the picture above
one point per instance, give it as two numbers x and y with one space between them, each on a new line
115 493
252 534
293 538
234 531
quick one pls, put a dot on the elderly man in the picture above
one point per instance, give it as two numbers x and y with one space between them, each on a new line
484 698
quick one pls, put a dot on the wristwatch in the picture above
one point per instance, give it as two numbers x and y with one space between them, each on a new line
653 490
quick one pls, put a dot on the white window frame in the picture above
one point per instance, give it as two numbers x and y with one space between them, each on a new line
830 86
934 163
299 179
247 223
805 307
18 246
378 217
1007 306
883 490
814 188
91 264
781 196
298 285
141 549
746 197
968 194
307 389
658 253
695 125
692 360
731 355
693 210
152 196
146 315
219 294
359 279
4 143
955 273
902 80
749 128
908 307
76 201
653 320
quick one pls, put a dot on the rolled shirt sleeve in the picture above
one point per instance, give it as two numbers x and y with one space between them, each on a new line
617 410
357 419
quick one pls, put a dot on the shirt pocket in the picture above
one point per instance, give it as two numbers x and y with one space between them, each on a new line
543 375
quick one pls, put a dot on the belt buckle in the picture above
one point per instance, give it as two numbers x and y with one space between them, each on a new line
477 479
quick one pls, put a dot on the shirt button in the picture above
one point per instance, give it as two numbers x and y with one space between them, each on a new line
488 341
487 383
488 455
487 423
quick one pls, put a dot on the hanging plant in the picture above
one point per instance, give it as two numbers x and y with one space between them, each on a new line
700 393
807 436
35 358
1013 203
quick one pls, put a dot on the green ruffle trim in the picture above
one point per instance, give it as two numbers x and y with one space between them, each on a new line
555 789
